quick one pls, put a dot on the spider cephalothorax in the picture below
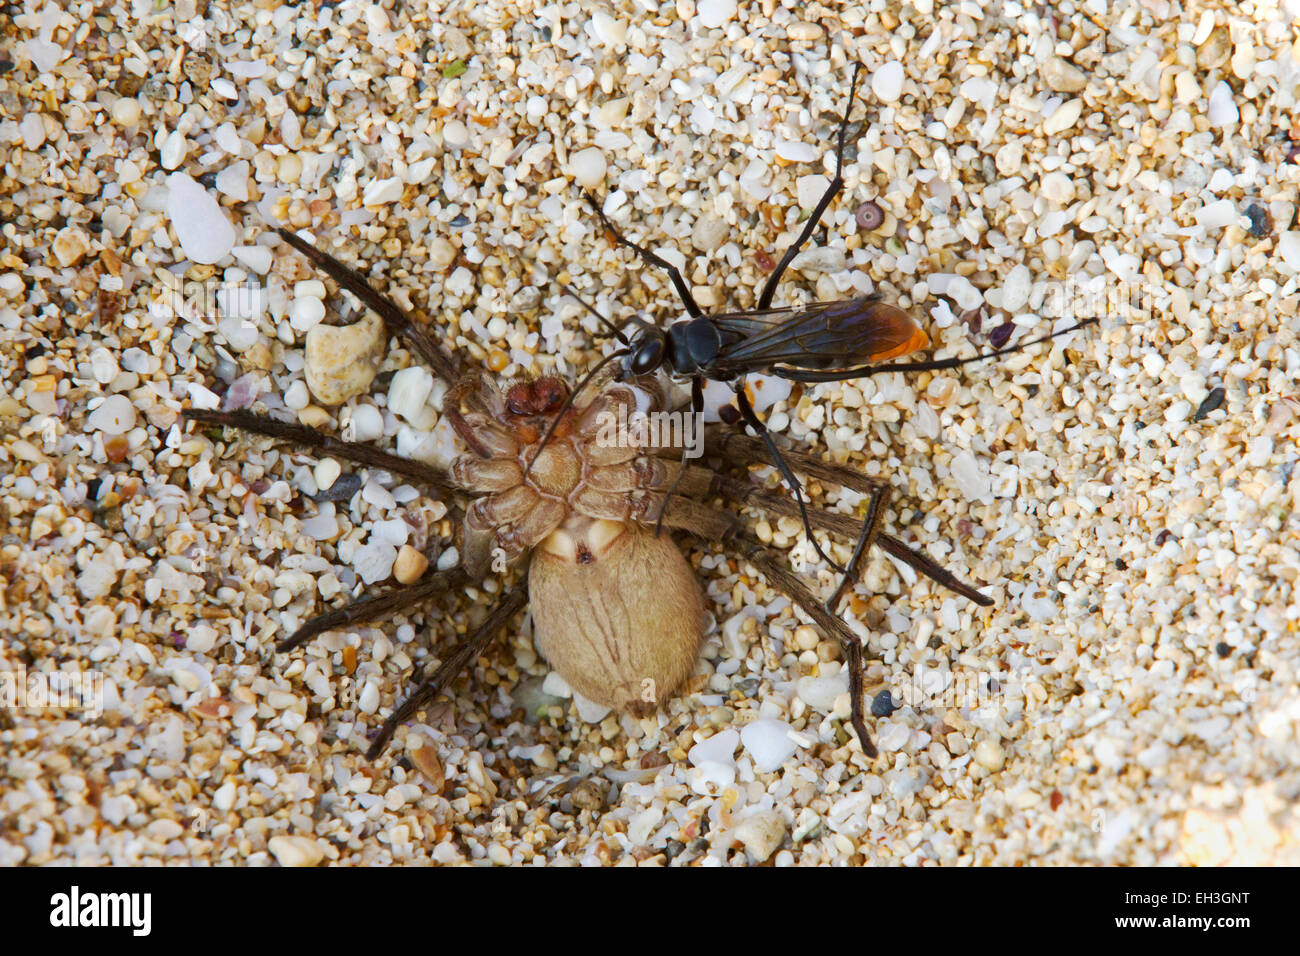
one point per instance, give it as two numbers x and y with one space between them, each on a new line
617 609
575 476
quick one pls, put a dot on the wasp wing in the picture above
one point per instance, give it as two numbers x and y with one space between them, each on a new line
824 335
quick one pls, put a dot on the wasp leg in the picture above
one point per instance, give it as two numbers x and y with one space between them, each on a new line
752 420
783 579
769 287
683 290
429 688
395 320
355 452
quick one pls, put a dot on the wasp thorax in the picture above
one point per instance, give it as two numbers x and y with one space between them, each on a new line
617 611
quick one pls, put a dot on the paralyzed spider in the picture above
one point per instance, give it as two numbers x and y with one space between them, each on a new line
616 609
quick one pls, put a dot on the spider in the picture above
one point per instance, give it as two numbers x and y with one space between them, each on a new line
581 505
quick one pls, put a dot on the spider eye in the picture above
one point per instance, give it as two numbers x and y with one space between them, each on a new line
551 398
648 356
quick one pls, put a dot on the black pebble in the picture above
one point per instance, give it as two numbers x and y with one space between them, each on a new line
1222 649
1212 401
1000 336
344 487
882 705
1261 223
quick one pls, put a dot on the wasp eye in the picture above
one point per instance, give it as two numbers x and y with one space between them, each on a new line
648 357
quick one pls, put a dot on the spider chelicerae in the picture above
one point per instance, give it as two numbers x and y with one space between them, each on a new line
584 515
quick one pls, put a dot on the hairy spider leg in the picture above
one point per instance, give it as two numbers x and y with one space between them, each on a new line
460 658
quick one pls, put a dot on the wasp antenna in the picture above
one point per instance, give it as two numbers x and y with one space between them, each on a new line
568 403
592 309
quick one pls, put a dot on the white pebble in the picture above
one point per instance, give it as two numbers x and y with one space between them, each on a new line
768 743
893 735
173 149
1016 288
1288 247
607 30
714 13
257 258
761 834
408 393
819 259
971 477
587 167
326 471
1223 110
380 192
820 692
114 416
296 397
103 366
125 111
1058 188
793 152
232 181
374 561
306 312
1065 116
206 235
809 189
887 82
455 134
32 130
589 711
988 754
227 138
367 423
295 850
716 749
1217 214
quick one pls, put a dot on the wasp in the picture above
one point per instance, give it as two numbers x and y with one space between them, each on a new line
822 342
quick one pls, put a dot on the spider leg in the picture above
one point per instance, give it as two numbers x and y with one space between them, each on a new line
870 530
779 575
395 320
743 493
374 607
465 652
355 452
752 420
741 450
836 184
683 290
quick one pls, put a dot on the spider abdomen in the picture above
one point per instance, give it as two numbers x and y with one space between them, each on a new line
617 612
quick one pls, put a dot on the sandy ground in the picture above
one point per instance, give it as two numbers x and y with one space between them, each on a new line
1125 493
